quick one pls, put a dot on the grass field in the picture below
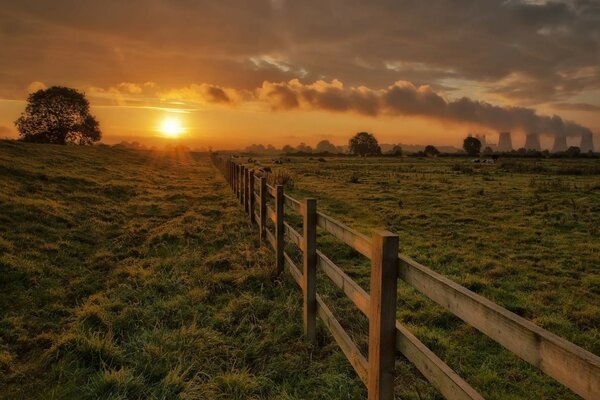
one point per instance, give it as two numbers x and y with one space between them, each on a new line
135 275
132 275
524 233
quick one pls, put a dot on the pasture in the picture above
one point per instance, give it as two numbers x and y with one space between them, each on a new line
135 274
522 233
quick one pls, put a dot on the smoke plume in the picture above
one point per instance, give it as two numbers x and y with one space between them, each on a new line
404 98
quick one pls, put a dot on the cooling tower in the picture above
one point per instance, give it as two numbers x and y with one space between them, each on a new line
587 142
560 144
532 142
505 142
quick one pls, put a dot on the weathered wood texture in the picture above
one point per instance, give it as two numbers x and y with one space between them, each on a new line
309 274
279 232
251 196
382 315
352 353
569 364
262 207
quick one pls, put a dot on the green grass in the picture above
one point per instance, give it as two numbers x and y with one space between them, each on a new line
523 233
135 275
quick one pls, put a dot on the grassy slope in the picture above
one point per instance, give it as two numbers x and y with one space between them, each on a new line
525 234
132 275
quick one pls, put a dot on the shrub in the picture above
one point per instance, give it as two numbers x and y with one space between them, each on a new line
282 176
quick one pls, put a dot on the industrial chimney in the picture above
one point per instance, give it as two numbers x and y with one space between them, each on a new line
532 142
587 142
560 144
505 142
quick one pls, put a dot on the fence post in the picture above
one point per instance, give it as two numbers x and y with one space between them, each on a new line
252 198
279 201
241 185
239 182
309 249
234 170
263 208
382 315
247 189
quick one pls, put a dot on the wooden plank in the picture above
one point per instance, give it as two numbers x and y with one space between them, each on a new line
279 240
240 184
444 379
569 364
382 315
292 269
271 190
352 238
309 273
245 187
293 204
270 238
292 235
256 215
358 296
357 360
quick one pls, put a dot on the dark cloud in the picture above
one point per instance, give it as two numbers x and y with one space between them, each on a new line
576 107
527 52
404 98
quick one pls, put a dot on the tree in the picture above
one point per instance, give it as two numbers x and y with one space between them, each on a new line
472 146
325 146
364 143
304 148
573 151
58 115
287 149
396 150
431 151
487 151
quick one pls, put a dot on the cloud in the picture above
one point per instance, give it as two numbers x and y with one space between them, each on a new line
129 87
406 99
205 94
576 107
402 98
525 52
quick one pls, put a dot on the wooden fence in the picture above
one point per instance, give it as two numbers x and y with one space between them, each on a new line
569 364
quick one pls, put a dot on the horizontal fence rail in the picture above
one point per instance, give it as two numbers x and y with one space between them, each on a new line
569 364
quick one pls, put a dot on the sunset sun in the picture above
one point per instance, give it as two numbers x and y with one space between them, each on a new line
171 127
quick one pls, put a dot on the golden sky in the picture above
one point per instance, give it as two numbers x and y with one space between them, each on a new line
284 72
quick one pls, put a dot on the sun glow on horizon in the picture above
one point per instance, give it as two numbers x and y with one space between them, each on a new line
171 127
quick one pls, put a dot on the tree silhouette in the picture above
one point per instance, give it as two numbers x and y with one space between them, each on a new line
364 143
325 146
472 146
58 115
396 150
573 151
431 151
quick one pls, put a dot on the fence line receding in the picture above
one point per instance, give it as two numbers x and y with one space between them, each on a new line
569 364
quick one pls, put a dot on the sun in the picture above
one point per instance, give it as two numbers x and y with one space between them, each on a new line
171 127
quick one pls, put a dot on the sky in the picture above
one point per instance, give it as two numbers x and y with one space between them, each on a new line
235 73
